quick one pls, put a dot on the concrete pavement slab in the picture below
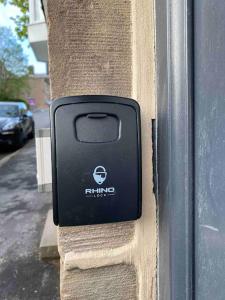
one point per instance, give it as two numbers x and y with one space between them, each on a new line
48 245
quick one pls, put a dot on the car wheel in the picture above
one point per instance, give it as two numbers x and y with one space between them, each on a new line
32 133
20 140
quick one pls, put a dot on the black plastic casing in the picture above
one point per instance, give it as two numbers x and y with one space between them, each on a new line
96 160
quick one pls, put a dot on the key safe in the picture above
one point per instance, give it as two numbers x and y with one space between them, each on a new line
96 160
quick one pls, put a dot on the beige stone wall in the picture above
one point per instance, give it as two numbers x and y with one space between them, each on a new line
90 47
107 47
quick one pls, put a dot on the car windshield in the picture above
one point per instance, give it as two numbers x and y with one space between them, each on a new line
8 111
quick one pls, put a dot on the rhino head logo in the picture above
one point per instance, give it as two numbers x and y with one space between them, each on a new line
99 174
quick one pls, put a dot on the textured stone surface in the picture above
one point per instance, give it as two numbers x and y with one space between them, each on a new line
97 237
120 285
90 51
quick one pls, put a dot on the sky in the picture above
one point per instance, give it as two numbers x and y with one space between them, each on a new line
8 11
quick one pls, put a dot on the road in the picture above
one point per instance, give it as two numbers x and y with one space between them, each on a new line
23 276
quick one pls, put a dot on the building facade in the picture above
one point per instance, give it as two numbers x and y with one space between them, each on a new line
37 31
38 92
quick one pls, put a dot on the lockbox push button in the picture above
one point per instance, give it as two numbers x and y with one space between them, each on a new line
97 128
96 160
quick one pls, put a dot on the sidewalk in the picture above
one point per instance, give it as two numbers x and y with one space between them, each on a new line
22 215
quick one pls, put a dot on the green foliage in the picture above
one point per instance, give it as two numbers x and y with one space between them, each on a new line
11 53
31 70
13 66
22 20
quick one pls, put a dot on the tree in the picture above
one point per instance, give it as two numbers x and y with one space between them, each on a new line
22 20
13 66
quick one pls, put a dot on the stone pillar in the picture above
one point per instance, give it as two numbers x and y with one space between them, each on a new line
107 47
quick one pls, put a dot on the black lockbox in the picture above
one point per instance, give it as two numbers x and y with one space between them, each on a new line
96 160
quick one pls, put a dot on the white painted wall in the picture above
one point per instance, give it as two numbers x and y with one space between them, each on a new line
35 12
43 156
37 31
